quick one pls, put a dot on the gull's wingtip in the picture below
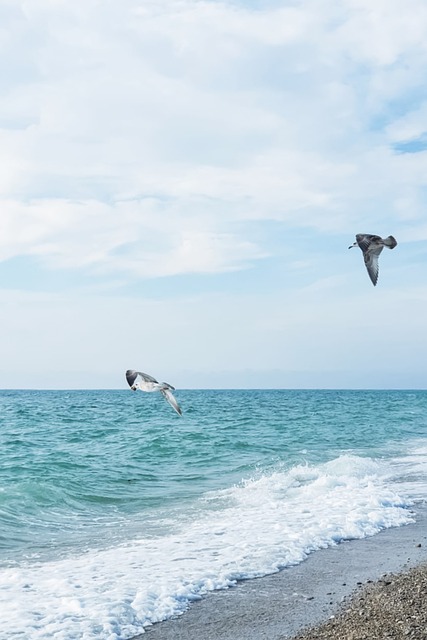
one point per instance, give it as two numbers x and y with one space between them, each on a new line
131 376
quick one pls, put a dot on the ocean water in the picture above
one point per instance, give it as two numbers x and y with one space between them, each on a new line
116 513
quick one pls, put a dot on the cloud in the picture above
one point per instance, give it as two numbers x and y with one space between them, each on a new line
150 139
127 236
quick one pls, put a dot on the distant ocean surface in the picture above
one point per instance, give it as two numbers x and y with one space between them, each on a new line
115 513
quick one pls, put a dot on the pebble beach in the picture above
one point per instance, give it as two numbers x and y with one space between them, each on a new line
394 608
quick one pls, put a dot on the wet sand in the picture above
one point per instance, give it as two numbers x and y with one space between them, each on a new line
280 606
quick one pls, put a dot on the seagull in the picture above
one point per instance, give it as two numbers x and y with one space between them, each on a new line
372 246
144 382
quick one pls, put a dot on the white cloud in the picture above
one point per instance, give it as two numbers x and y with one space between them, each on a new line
379 33
244 114
410 126
126 236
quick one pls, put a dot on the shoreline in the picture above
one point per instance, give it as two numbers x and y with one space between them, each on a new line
290 602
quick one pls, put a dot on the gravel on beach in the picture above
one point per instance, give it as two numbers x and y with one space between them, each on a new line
393 608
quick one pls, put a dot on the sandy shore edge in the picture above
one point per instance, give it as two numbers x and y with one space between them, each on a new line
303 597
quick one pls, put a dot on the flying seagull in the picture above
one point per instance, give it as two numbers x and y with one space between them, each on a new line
371 247
144 382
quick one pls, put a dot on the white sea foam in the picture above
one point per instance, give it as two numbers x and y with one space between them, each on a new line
245 531
411 470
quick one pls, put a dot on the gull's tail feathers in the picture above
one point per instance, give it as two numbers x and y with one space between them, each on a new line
390 242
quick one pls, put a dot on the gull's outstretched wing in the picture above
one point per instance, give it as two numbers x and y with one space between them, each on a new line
132 375
371 261
168 396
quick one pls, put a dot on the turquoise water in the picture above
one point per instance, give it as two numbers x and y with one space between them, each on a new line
93 479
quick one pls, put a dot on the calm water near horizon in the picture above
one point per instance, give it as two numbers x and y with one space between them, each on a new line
116 513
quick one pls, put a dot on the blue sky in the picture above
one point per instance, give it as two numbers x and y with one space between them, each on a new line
180 181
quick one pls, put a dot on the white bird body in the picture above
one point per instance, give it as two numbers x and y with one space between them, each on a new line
146 386
144 382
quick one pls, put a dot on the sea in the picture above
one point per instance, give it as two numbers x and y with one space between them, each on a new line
116 513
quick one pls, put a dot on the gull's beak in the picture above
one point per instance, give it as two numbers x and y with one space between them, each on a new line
353 245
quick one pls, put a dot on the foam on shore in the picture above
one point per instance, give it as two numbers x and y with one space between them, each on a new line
281 605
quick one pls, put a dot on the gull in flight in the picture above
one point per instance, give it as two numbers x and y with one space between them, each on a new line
371 247
144 382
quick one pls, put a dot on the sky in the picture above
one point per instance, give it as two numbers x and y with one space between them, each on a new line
180 181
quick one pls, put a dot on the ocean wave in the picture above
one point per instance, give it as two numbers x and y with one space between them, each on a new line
254 528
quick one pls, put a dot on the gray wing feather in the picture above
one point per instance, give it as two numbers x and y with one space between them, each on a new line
371 262
365 240
146 377
131 376
168 396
